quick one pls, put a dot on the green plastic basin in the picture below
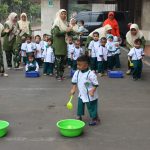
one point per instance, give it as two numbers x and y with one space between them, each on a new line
3 128
70 127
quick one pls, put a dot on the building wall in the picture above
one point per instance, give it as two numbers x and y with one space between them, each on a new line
145 20
48 14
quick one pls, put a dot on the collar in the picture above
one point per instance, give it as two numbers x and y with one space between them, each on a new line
86 70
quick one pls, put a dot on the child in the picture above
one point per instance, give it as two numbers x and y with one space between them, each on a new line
31 65
29 46
76 52
116 53
23 52
70 47
44 41
136 55
81 28
49 58
86 82
102 57
93 46
39 50
111 48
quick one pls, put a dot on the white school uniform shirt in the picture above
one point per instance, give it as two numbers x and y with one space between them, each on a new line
44 44
102 51
31 64
93 46
39 50
23 48
48 54
70 47
110 47
85 82
29 47
136 54
117 51
77 52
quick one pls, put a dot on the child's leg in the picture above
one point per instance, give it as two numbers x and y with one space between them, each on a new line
109 61
51 68
74 66
140 65
92 109
105 65
45 68
100 67
93 63
117 61
135 69
80 109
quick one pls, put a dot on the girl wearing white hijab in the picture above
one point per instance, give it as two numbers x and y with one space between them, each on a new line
59 31
133 34
9 33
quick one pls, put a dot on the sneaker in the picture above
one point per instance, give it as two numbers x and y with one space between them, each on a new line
69 67
59 79
63 78
101 74
44 74
79 118
9 68
51 74
4 74
128 72
94 122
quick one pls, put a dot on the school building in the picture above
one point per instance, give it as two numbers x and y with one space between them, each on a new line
139 9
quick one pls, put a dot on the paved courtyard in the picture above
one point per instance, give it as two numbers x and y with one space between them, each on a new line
33 106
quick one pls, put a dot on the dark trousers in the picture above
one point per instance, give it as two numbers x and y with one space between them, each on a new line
48 68
93 63
9 58
60 62
137 68
102 66
1 62
74 65
17 58
110 62
69 62
39 61
91 106
116 61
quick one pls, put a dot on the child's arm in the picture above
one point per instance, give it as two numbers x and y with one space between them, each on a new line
26 68
37 67
73 89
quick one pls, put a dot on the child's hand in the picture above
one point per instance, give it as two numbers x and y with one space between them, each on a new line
73 90
92 91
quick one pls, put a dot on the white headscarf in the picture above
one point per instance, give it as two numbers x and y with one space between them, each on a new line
24 25
102 31
12 25
131 38
59 22
75 27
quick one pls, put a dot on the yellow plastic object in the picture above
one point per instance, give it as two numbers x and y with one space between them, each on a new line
131 64
69 104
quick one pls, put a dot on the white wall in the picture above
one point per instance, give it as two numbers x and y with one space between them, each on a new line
48 14
103 7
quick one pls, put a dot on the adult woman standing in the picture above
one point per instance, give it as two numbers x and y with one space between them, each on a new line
24 28
114 24
59 30
9 33
133 34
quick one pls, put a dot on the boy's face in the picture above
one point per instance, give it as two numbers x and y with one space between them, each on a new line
28 40
45 38
81 65
49 43
31 59
37 40
95 37
77 44
103 42
137 45
70 40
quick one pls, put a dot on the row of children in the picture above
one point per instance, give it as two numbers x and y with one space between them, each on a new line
34 54
103 53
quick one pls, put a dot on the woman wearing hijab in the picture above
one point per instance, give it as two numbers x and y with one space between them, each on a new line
103 31
9 33
133 34
59 30
114 24
24 30
2 70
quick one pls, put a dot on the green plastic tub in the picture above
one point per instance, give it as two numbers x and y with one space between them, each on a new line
3 128
70 127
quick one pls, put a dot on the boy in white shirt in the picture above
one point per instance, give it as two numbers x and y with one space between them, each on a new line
39 50
70 47
111 49
136 55
117 52
44 41
23 52
102 53
86 82
76 52
93 46
31 64
49 58
29 46
81 28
